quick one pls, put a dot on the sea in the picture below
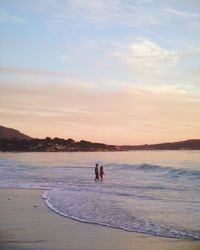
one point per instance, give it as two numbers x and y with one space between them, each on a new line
150 192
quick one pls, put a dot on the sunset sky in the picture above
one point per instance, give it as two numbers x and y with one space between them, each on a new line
112 71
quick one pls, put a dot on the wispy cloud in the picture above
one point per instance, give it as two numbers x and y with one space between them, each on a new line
99 11
178 13
5 16
10 70
82 112
129 13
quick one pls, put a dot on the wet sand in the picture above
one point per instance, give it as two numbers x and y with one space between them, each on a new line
27 223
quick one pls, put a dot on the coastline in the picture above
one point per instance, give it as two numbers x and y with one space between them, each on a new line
27 223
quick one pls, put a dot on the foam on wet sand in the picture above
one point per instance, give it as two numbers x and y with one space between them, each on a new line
27 223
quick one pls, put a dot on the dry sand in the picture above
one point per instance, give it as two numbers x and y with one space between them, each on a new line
26 223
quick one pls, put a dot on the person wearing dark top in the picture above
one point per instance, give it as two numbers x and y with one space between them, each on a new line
96 173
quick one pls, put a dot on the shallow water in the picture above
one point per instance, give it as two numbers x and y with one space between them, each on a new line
154 192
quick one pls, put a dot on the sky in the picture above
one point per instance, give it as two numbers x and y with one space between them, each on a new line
111 71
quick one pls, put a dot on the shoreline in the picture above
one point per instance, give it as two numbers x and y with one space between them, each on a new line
100 151
28 223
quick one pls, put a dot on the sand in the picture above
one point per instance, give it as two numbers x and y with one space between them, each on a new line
27 223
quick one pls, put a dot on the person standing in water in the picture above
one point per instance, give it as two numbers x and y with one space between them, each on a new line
96 173
101 173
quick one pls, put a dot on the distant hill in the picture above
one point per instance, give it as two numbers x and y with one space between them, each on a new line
193 144
13 140
10 133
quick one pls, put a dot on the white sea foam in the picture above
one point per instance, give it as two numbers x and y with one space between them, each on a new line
107 210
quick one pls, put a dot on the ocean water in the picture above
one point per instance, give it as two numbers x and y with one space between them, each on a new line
153 192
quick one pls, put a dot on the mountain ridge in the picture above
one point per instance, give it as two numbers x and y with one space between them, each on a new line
10 133
14 140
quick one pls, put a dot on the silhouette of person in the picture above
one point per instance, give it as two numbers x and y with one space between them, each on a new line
96 173
101 173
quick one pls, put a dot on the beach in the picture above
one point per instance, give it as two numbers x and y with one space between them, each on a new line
27 223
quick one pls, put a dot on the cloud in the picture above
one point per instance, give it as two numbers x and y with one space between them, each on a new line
5 16
66 58
22 71
178 13
153 65
127 115
99 12
146 56
130 13
91 10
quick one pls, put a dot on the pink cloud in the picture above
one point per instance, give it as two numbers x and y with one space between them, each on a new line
82 112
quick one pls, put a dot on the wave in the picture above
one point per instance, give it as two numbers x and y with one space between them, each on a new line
167 171
104 210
